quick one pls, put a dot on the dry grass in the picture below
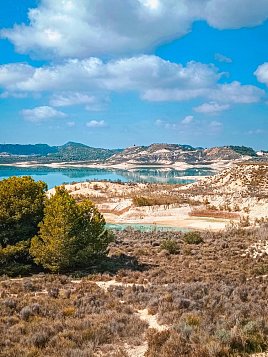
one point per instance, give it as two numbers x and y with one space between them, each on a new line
213 214
212 296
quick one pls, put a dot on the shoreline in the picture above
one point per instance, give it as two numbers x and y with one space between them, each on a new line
180 166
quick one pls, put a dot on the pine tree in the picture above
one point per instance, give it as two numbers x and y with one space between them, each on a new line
52 247
21 209
70 234
93 237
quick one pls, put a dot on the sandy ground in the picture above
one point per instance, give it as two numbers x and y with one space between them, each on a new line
118 207
173 217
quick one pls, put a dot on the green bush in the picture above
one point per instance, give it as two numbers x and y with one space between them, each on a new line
170 245
193 238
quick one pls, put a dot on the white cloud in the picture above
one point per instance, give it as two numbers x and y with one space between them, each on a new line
221 58
18 95
234 14
215 126
262 73
211 108
153 78
167 124
71 28
14 73
237 93
72 98
41 114
96 124
187 120
142 73
189 125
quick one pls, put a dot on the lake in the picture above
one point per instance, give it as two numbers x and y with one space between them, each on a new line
57 176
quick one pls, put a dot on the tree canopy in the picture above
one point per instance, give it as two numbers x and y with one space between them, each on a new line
21 209
70 233
56 233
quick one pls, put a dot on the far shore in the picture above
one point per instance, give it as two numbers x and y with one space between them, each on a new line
215 165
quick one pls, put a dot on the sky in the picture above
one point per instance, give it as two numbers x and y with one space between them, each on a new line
122 72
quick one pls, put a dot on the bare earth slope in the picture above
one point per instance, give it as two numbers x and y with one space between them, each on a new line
242 187
172 154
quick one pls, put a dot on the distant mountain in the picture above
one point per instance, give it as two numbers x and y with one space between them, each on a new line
155 154
44 153
80 152
170 154
37 149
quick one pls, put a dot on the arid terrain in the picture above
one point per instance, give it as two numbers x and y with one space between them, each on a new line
198 293
236 195
156 295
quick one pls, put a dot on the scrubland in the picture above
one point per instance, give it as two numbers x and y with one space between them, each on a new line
157 294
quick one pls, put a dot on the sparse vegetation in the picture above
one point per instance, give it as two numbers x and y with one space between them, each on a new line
193 238
170 245
212 298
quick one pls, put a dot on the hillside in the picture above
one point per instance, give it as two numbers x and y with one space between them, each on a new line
79 152
241 188
171 154
154 154
44 153
27 150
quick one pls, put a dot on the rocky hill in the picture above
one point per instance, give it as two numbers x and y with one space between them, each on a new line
172 154
240 188
155 154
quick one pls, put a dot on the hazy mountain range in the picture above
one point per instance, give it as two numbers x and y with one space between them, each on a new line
161 154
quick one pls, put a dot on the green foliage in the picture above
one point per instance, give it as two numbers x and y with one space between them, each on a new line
193 238
170 245
141 201
45 153
37 149
15 259
75 151
243 150
21 209
70 234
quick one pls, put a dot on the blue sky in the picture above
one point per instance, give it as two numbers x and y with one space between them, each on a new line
123 72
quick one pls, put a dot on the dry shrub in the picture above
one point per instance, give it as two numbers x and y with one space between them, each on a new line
213 214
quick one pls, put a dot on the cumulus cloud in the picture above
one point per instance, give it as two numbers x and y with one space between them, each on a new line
41 114
234 14
221 58
141 73
73 98
211 108
155 79
236 93
187 120
71 28
262 73
190 125
96 124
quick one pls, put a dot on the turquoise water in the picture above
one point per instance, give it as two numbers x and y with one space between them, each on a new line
145 227
57 176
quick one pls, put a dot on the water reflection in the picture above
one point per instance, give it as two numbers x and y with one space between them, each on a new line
57 176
